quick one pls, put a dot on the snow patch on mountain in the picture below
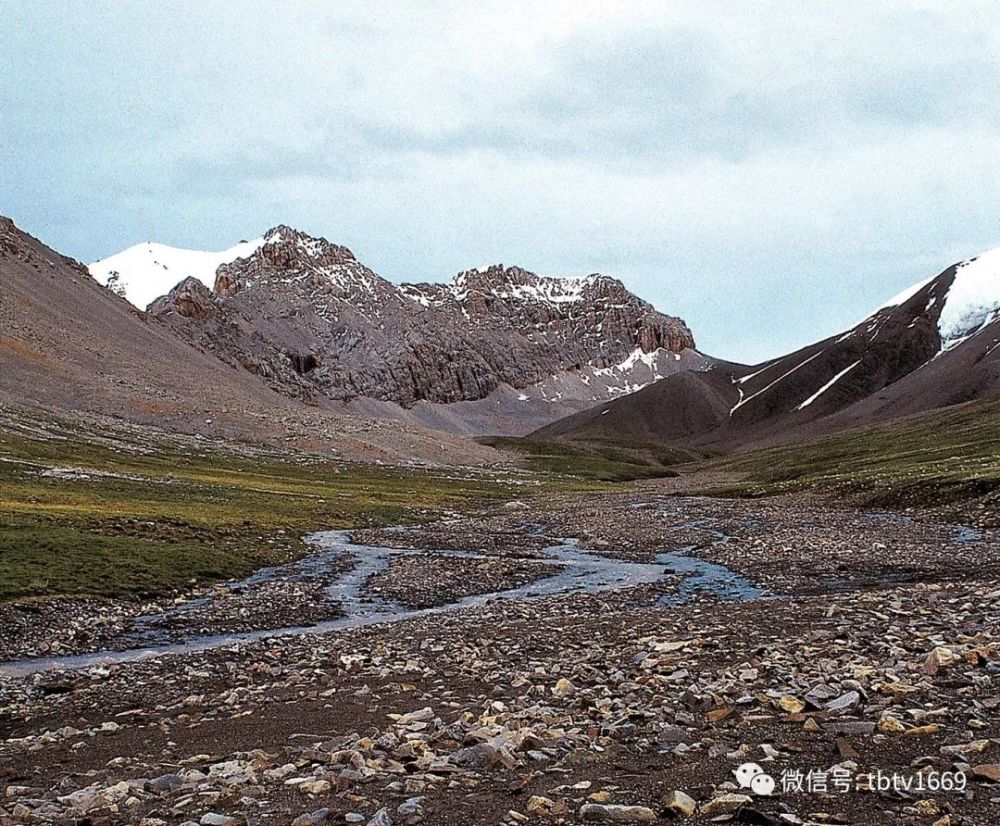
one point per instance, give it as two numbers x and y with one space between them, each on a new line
549 290
973 301
144 272
510 284
415 294
636 371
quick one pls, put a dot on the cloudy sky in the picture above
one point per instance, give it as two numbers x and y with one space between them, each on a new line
770 171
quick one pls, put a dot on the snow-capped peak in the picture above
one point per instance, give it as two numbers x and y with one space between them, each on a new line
144 272
973 301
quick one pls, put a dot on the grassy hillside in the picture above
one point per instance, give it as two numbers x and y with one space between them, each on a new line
109 512
939 457
593 459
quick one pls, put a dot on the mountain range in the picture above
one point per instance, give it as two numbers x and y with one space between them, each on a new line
933 345
289 332
517 349
68 345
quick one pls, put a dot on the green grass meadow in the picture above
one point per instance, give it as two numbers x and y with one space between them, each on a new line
936 458
142 518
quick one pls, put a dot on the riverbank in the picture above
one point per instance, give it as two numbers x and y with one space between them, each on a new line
538 708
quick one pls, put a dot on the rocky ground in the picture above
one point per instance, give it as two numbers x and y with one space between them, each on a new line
429 580
873 652
59 627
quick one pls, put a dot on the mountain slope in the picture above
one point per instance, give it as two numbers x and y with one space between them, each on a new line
933 345
679 409
933 458
314 322
518 411
66 343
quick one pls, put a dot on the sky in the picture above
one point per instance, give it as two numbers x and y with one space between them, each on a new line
769 171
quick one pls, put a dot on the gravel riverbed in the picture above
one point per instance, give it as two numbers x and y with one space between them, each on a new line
871 645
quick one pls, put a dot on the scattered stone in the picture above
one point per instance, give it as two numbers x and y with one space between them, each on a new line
679 803
613 813
538 805
940 657
431 715
316 818
890 725
987 771
215 819
564 688
382 818
844 701
793 705
932 728
724 804
964 749
846 750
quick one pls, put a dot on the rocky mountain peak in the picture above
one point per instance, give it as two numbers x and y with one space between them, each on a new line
308 316
190 298
597 309
305 245
518 284
288 255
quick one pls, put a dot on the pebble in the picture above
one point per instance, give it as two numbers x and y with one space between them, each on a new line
725 804
215 819
612 813
316 818
679 803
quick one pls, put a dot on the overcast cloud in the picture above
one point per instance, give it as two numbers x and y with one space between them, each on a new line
770 171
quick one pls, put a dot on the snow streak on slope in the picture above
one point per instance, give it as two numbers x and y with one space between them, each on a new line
828 385
144 272
744 399
596 384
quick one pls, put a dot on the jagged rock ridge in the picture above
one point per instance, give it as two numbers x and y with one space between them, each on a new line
71 348
309 317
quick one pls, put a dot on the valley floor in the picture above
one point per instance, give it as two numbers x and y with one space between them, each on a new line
824 645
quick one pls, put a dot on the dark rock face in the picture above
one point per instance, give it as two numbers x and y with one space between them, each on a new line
303 363
313 320
190 299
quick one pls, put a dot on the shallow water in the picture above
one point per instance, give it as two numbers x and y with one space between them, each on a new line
578 571
963 533
708 577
